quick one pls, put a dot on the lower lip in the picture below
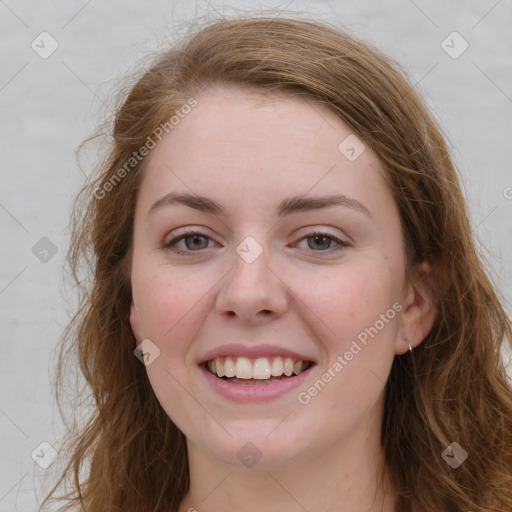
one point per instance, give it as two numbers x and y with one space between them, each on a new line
254 392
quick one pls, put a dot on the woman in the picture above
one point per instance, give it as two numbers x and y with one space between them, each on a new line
287 310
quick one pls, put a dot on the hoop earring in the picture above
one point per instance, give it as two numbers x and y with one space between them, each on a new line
405 339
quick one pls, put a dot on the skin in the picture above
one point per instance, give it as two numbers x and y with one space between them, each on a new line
250 151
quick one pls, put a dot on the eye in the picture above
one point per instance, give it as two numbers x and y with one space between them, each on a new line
194 241
320 242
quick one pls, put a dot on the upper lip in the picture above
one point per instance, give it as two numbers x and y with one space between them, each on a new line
252 351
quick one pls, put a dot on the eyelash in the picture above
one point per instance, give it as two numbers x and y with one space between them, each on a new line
168 245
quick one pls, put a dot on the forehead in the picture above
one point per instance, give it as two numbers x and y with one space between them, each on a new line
262 145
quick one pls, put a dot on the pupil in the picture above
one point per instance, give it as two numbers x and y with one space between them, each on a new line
322 237
195 239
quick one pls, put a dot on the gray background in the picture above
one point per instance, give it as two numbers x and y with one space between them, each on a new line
48 106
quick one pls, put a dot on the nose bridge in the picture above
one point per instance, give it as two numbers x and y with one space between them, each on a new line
251 287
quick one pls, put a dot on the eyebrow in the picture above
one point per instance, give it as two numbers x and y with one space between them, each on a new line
287 206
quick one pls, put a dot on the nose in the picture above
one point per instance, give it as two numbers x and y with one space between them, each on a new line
253 292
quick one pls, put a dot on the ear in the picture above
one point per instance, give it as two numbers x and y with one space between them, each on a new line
419 309
134 322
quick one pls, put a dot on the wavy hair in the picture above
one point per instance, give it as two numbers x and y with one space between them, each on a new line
128 455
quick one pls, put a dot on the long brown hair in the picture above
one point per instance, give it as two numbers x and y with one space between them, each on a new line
453 388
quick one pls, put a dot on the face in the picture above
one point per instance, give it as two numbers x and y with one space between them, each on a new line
266 252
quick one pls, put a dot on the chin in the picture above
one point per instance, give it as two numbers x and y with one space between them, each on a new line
253 448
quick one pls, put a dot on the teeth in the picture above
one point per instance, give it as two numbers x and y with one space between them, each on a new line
220 369
229 367
260 369
243 368
288 366
277 367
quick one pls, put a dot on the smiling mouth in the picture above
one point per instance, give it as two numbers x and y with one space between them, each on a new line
262 370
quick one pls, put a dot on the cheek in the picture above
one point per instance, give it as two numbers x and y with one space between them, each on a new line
349 300
168 302
359 344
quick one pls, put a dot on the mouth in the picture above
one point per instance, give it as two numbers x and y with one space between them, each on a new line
256 371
